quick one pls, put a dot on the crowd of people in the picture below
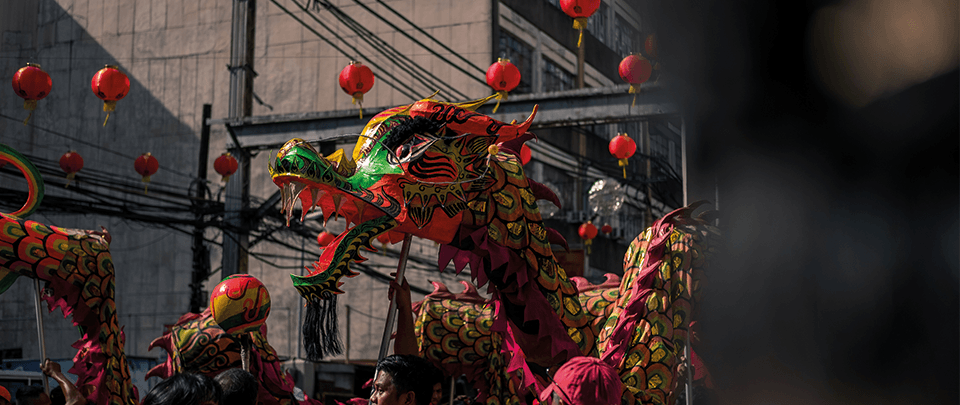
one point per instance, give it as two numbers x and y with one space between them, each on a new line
234 386
400 379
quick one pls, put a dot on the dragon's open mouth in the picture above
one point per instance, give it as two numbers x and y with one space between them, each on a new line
323 183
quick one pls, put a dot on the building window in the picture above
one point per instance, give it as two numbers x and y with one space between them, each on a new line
521 55
597 24
626 36
555 78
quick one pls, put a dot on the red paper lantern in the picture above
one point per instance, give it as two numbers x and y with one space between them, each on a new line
226 165
606 229
147 166
580 11
356 79
31 83
587 232
71 163
635 69
650 46
525 154
622 148
503 77
324 238
110 85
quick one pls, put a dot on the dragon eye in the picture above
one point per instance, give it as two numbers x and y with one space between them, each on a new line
402 151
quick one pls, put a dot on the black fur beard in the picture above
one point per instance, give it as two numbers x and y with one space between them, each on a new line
321 331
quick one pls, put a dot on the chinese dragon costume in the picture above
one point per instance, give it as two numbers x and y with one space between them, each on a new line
77 271
443 172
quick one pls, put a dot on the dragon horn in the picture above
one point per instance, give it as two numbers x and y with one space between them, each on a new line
475 104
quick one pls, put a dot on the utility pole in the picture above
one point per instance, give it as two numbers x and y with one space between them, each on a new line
236 233
201 255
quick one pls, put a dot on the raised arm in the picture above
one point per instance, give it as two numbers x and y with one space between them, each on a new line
70 391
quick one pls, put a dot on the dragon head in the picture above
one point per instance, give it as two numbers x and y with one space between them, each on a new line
413 171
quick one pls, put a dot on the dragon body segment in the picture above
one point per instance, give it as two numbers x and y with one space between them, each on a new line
196 344
78 275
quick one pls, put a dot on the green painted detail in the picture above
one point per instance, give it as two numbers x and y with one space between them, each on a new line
372 168
7 278
311 280
305 163
239 320
32 175
346 251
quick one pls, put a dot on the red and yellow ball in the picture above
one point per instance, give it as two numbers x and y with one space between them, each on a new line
240 304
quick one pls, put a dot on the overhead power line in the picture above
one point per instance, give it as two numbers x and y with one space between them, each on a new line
429 49
388 51
442 45
409 92
83 142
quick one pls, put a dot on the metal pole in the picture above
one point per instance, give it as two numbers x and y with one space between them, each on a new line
300 308
687 350
453 388
245 351
43 343
683 158
201 256
392 310
240 104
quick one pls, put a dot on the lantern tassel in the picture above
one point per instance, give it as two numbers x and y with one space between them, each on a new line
358 100
634 89
587 243
580 23
29 105
623 163
108 107
70 176
146 182
225 179
501 95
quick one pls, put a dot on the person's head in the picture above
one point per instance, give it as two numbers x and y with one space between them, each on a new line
404 380
239 387
185 389
437 394
4 396
32 395
584 381
57 397
437 377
